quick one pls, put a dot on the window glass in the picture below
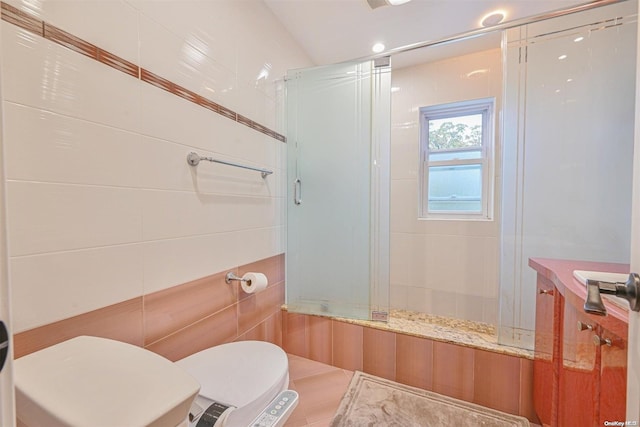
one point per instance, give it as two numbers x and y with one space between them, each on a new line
455 188
457 142
455 132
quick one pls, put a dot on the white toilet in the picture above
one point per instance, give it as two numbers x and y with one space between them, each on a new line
238 381
90 381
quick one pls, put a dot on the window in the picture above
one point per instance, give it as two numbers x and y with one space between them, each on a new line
456 143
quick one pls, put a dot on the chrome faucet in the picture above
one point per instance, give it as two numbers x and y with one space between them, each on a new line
629 290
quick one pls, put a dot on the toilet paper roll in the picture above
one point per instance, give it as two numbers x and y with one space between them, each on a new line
254 282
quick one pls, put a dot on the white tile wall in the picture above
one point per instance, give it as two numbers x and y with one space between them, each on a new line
102 205
447 268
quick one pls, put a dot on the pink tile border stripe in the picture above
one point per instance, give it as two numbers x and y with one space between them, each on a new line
29 23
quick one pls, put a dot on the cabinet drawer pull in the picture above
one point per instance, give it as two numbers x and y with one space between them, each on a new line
546 292
597 340
584 326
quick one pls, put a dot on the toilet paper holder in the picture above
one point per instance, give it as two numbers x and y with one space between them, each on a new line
231 276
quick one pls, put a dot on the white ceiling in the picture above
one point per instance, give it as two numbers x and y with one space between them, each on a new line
338 30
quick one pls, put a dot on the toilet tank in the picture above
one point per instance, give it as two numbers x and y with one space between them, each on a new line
98 382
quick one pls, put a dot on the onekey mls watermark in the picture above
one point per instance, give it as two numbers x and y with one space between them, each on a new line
620 423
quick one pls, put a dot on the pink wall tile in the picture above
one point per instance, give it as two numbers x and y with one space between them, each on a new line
453 370
379 353
526 391
272 267
172 309
320 339
256 308
348 344
294 330
497 381
217 329
414 361
122 322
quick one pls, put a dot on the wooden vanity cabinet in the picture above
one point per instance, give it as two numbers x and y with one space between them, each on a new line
579 375
543 369
613 377
580 371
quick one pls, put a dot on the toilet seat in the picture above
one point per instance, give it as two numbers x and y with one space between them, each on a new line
245 374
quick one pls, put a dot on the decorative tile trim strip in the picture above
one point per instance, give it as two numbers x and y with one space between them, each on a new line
118 63
157 81
70 41
27 22
21 19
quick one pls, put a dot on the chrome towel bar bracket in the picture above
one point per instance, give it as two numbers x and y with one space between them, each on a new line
194 158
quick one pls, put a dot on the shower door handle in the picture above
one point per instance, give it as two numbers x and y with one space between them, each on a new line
297 191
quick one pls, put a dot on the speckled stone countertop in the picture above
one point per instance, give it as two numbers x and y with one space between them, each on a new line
456 331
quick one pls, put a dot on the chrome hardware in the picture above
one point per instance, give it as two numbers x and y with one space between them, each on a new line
546 292
630 290
194 158
297 191
584 326
230 276
597 340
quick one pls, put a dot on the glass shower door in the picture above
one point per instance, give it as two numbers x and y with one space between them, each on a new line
337 258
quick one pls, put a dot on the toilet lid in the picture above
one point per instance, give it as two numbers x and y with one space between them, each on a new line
239 373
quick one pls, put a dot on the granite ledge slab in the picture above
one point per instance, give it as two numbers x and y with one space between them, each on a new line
466 333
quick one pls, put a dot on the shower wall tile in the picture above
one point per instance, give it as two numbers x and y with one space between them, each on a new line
93 22
54 78
398 295
55 217
187 63
400 252
171 118
54 286
50 147
170 214
211 27
405 145
444 303
418 299
171 261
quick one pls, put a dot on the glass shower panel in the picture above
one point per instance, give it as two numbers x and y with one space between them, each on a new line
337 208
568 147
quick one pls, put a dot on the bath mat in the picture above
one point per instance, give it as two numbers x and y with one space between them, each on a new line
374 401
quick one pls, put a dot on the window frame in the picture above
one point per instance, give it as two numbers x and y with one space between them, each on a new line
483 106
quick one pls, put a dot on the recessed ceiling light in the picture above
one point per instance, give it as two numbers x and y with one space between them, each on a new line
476 73
373 4
578 39
561 57
377 48
493 18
